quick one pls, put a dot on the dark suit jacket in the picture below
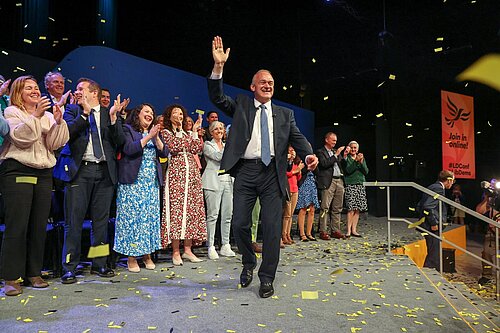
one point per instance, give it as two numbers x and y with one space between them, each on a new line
243 112
71 156
431 205
131 157
324 173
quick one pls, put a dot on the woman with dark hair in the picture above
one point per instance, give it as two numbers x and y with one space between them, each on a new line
293 174
137 226
27 160
184 211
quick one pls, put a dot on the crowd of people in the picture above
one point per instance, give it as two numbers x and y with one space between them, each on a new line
171 179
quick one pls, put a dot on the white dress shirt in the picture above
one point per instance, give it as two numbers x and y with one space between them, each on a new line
89 151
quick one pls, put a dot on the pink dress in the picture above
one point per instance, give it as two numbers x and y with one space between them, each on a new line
183 210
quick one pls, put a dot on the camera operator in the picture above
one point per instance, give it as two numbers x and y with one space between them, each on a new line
489 207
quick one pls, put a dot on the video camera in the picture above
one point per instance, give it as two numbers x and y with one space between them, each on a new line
491 190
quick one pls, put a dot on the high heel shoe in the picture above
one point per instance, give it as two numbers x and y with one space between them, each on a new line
148 262
303 238
289 239
311 238
133 266
177 262
191 257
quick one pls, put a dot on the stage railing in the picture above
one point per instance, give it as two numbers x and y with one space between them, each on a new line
387 186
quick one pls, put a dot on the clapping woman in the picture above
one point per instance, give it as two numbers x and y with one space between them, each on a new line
27 160
355 194
184 210
137 224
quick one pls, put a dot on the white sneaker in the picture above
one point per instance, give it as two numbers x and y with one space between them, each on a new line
212 254
226 251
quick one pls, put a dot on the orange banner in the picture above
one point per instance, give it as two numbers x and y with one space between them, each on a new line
457 122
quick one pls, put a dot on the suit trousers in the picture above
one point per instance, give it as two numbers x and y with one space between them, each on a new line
92 186
27 208
432 257
255 180
219 201
332 200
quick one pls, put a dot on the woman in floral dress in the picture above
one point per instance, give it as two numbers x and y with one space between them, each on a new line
184 211
137 226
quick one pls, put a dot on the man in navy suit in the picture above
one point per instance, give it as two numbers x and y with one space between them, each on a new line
428 207
87 165
256 155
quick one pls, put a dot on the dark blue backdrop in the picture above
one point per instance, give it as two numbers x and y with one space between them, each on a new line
160 85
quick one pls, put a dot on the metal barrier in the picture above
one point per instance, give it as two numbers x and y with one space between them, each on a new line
388 185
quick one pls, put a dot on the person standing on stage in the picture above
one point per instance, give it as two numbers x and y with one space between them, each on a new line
256 156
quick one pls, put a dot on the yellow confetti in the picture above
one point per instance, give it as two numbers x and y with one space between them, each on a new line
261 325
152 328
313 60
300 315
391 164
355 329
379 115
98 251
309 294
86 331
50 18
411 208
230 331
337 271
392 77
438 49
416 224
27 320
133 245
103 21
325 98
68 257
426 212
380 84
191 317
42 37
27 41
200 112
384 157
5 52
403 329
435 196
439 39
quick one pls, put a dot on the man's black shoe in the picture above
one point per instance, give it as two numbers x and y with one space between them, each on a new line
68 278
102 272
246 276
266 289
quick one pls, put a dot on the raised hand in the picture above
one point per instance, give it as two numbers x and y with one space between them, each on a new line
64 98
311 162
4 87
197 124
84 102
339 150
56 111
117 105
220 57
42 105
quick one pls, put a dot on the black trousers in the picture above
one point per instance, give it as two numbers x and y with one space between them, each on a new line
253 179
91 186
27 207
432 258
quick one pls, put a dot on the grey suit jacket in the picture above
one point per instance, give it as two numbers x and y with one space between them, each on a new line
243 112
211 179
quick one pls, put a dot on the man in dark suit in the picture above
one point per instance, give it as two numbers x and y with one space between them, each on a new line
428 208
329 178
255 154
87 165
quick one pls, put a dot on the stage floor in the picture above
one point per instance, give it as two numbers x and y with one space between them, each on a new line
326 286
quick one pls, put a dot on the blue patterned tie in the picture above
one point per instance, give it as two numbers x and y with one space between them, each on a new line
265 147
94 133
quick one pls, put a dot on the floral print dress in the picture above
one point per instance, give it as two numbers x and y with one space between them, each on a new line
184 210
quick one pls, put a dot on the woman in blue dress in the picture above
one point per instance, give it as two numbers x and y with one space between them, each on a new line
307 202
137 226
